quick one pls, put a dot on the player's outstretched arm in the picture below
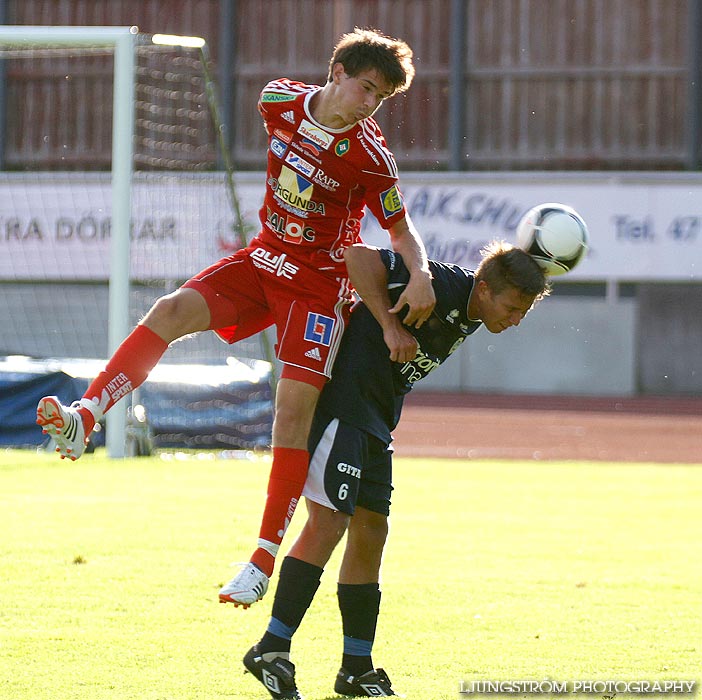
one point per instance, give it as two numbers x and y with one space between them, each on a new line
369 277
418 295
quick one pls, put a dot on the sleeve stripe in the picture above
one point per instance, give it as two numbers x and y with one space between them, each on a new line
373 141
284 88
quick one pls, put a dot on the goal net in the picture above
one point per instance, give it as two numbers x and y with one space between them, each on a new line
69 288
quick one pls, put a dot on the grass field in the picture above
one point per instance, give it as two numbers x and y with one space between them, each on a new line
109 572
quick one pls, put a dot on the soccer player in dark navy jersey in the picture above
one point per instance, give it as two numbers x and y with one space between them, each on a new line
350 477
368 389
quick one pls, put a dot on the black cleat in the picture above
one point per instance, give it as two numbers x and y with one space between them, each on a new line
278 676
372 684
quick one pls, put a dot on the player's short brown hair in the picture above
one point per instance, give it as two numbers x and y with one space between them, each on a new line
368 49
503 265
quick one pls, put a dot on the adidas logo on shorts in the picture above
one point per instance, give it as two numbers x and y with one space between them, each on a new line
313 354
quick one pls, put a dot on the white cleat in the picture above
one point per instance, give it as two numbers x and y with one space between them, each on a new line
246 588
64 425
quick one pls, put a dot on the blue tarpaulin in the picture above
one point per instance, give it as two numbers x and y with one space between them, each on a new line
194 406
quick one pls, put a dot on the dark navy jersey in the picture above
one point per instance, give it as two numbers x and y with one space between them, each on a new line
367 388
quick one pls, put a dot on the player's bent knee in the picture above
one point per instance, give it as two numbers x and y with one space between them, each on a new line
376 536
368 530
179 313
294 409
291 428
327 524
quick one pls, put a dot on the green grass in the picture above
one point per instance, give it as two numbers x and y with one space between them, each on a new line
109 572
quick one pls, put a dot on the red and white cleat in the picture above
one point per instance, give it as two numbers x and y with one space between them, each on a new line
64 424
246 588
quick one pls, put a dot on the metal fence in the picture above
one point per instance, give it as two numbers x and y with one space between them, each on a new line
501 84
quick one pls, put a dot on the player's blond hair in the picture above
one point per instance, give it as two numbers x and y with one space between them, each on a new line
369 49
504 265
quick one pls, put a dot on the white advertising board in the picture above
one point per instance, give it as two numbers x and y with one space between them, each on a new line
642 227
58 227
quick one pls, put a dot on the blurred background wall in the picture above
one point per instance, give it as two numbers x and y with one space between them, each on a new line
501 84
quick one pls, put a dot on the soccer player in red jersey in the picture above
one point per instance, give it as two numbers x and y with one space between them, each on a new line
327 161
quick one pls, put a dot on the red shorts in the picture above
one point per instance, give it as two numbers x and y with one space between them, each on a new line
260 286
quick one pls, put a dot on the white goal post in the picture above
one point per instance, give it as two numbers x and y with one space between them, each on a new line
120 187
123 41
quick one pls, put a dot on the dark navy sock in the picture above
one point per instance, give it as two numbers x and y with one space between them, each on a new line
297 584
359 605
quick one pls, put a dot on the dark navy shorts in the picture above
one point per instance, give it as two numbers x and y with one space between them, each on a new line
348 467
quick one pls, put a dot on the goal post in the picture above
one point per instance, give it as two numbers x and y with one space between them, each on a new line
114 241
122 164
123 41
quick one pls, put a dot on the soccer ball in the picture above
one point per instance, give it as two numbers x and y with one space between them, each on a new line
555 235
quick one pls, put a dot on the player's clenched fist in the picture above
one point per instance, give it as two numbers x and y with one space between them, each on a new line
401 344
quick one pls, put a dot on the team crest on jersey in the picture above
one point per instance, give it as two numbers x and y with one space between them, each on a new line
391 201
319 329
343 147
315 134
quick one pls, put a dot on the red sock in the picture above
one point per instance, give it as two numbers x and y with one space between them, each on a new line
126 370
285 484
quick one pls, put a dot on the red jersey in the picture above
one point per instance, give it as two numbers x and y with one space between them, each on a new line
319 180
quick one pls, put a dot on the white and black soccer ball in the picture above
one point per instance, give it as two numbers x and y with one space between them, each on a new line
555 235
